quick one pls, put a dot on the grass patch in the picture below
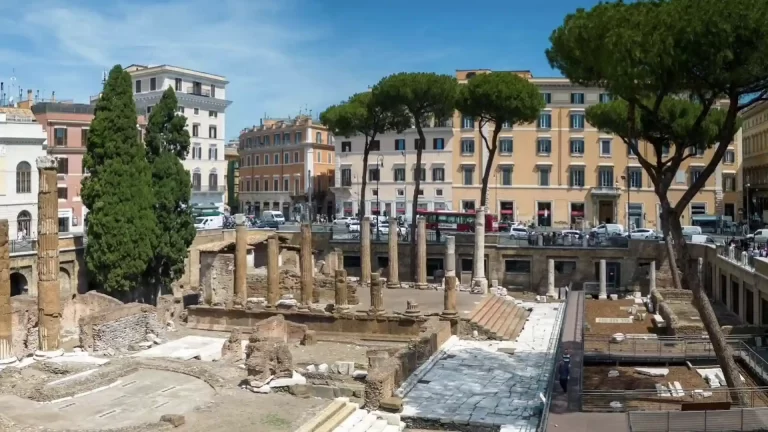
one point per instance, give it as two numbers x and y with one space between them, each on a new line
275 421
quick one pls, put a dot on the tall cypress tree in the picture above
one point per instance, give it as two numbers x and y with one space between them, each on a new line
167 144
118 191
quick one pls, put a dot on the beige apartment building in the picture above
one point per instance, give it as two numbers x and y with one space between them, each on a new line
755 164
560 171
282 163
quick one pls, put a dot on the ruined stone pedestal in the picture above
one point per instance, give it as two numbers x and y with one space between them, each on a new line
393 281
307 269
241 261
551 278
421 254
603 281
365 251
479 281
449 298
273 271
412 309
49 305
652 276
340 287
377 296
6 311
339 258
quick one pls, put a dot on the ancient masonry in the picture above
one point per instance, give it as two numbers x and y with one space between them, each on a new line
273 271
449 300
421 254
479 282
340 285
307 267
393 280
6 333
49 306
377 296
365 251
241 261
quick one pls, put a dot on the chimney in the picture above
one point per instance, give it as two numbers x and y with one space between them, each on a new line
53 96
30 98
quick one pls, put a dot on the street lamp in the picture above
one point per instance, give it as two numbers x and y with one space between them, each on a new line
380 165
629 197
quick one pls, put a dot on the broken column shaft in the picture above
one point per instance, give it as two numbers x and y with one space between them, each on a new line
241 261
48 303
421 254
365 251
377 296
6 311
273 271
394 277
449 299
307 278
340 287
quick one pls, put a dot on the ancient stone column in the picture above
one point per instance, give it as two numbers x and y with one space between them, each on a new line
365 251
393 280
551 278
273 271
377 296
700 263
412 308
652 276
340 287
450 256
449 299
6 312
479 281
421 253
603 279
339 258
241 261
48 302
307 278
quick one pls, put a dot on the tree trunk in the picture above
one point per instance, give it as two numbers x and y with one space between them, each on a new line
364 183
690 281
489 163
417 185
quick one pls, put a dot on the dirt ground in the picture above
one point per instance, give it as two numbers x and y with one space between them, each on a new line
329 352
611 309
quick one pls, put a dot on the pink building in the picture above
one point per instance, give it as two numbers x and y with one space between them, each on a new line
67 127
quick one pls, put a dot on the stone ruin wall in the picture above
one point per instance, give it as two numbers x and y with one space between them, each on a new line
120 327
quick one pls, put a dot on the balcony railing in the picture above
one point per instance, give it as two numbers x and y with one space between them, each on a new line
207 188
606 190
198 91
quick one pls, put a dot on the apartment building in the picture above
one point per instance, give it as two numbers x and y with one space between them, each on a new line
391 172
287 165
755 164
66 127
561 171
22 141
202 99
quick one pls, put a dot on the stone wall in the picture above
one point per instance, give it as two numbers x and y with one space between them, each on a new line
120 327
388 373
217 277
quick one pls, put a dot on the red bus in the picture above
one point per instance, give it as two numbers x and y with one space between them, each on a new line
450 221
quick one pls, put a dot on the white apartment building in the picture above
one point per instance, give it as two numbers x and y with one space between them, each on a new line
202 99
391 170
22 141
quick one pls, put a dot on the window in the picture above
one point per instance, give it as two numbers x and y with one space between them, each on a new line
506 176
605 97
577 98
62 192
346 146
438 144
256 160
319 156
286 138
197 180
545 121
276 185
138 86
196 111
62 165
374 174
577 121
180 109
547 97
438 192
505 146
506 125
296 157
438 174
400 192
177 84
605 176
695 151
24 223
421 193
517 266
149 110
213 91
635 178
266 140
298 138
277 139
605 147
374 145
211 131
467 122
695 173
213 153
422 172
266 159
286 185
399 174
23 177
197 152
469 173
84 137
297 187
399 144
346 177
729 183
213 181
319 138
60 137
276 159
63 224
730 157
286 160
195 130
544 146
152 84
467 146
577 147
418 145
576 177
698 209
375 192
544 176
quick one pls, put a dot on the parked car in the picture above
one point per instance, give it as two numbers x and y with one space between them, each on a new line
272 216
608 229
759 236
520 232
343 221
269 224
642 234
353 226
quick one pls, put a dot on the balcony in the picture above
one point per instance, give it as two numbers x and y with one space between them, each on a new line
208 188
197 91
606 191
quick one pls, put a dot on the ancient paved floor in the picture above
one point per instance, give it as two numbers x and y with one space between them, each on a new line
430 301
474 383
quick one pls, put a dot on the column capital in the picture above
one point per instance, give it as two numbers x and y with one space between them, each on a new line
46 162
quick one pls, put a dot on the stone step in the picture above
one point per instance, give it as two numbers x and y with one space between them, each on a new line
378 426
483 309
499 317
393 428
351 421
328 412
332 422
480 307
521 315
503 325
518 328
493 309
364 424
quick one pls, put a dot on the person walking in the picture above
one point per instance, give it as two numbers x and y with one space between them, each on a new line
564 371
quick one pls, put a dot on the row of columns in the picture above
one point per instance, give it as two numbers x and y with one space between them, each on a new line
48 301
393 280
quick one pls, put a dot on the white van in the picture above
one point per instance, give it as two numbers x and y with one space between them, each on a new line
271 215
209 222
690 230
704 239
608 229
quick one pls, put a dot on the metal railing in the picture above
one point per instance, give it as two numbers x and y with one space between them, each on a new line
734 254
748 419
652 400
547 240
651 347
555 349
29 244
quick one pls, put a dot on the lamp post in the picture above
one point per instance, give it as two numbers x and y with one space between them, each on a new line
629 197
380 165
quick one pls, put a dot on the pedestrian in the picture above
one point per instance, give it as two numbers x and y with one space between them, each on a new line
564 371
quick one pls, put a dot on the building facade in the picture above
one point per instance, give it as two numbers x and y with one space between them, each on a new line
560 171
66 126
287 165
755 164
392 171
202 99
22 141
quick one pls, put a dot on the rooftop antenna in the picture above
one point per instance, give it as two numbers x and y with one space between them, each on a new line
2 94
37 95
104 77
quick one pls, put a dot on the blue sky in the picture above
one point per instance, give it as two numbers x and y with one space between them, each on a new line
279 55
